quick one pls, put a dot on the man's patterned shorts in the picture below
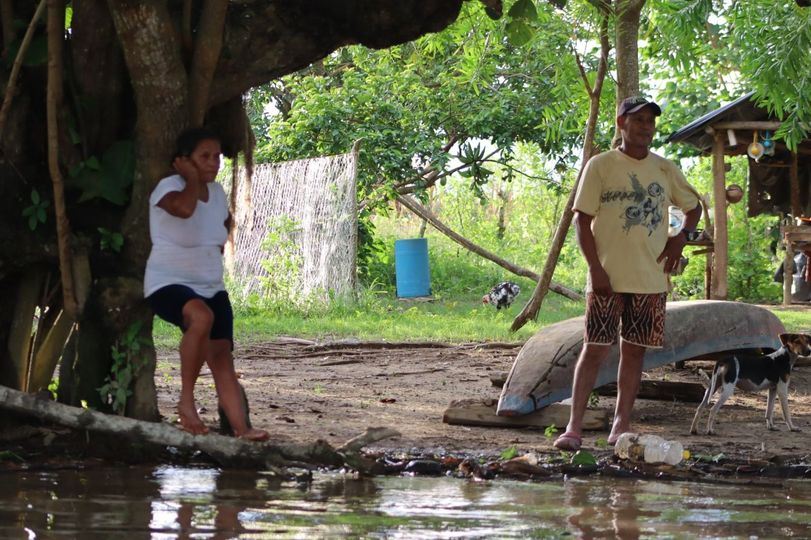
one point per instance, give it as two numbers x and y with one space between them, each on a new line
642 317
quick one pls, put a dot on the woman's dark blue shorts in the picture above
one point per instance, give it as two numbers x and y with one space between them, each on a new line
167 303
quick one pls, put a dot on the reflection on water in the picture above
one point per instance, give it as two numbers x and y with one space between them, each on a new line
174 502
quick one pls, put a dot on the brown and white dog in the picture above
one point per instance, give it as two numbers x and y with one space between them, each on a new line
756 372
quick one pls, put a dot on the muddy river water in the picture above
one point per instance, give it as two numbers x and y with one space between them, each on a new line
182 502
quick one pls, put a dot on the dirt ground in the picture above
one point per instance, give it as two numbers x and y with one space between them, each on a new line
302 391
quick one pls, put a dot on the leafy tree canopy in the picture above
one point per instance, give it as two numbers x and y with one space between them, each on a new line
478 86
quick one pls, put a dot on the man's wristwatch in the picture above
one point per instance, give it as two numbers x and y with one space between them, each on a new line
691 236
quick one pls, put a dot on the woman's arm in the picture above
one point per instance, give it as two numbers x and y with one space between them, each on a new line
183 203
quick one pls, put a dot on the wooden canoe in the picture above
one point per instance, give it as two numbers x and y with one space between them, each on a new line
543 370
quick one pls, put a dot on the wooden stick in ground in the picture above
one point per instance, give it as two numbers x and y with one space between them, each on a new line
56 37
532 307
18 62
427 215
206 55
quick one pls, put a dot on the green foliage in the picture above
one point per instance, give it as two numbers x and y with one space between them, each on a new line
283 263
36 212
110 240
751 261
601 443
550 431
774 40
53 388
712 52
469 85
108 178
593 401
583 457
509 453
127 361
8 455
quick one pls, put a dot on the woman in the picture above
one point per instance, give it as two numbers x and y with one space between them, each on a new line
188 223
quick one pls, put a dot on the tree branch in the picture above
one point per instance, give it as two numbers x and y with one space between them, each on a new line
18 62
426 214
531 309
206 55
56 37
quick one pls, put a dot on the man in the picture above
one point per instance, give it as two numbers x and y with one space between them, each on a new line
621 220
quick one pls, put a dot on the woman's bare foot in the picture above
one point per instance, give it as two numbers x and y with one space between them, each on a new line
190 421
257 435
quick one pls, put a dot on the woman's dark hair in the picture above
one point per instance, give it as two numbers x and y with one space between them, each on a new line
188 140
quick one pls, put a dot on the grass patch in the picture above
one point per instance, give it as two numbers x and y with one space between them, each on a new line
453 319
794 319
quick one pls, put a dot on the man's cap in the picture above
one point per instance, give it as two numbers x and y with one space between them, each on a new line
634 104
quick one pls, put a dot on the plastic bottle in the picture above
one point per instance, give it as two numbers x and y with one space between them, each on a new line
648 448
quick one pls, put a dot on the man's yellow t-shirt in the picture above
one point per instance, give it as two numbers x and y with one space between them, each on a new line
629 200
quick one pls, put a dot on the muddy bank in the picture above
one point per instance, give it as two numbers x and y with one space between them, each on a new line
301 391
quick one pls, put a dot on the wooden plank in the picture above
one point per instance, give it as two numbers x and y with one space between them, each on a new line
483 413
788 272
687 392
747 124
721 238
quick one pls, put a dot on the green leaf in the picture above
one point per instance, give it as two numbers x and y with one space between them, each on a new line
523 9
8 455
509 453
41 214
518 32
582 457
35 196
32 222
93 163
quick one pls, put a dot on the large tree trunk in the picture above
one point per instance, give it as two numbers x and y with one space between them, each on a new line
126 78
626 30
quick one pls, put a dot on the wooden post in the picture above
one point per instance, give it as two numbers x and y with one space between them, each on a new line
708 275
794 184
720 236
788 272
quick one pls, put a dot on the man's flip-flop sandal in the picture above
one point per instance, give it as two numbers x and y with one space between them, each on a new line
570 442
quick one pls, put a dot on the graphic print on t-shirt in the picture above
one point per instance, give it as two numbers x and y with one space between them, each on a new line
641 206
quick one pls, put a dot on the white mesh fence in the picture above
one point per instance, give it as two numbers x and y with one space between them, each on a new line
295 234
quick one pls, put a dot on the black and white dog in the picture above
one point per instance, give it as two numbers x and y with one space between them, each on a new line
756 372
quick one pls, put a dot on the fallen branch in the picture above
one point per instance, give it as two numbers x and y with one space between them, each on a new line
351 450
427 215
372 435
227 451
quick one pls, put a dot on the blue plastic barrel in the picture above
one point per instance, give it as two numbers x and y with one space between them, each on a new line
411 268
